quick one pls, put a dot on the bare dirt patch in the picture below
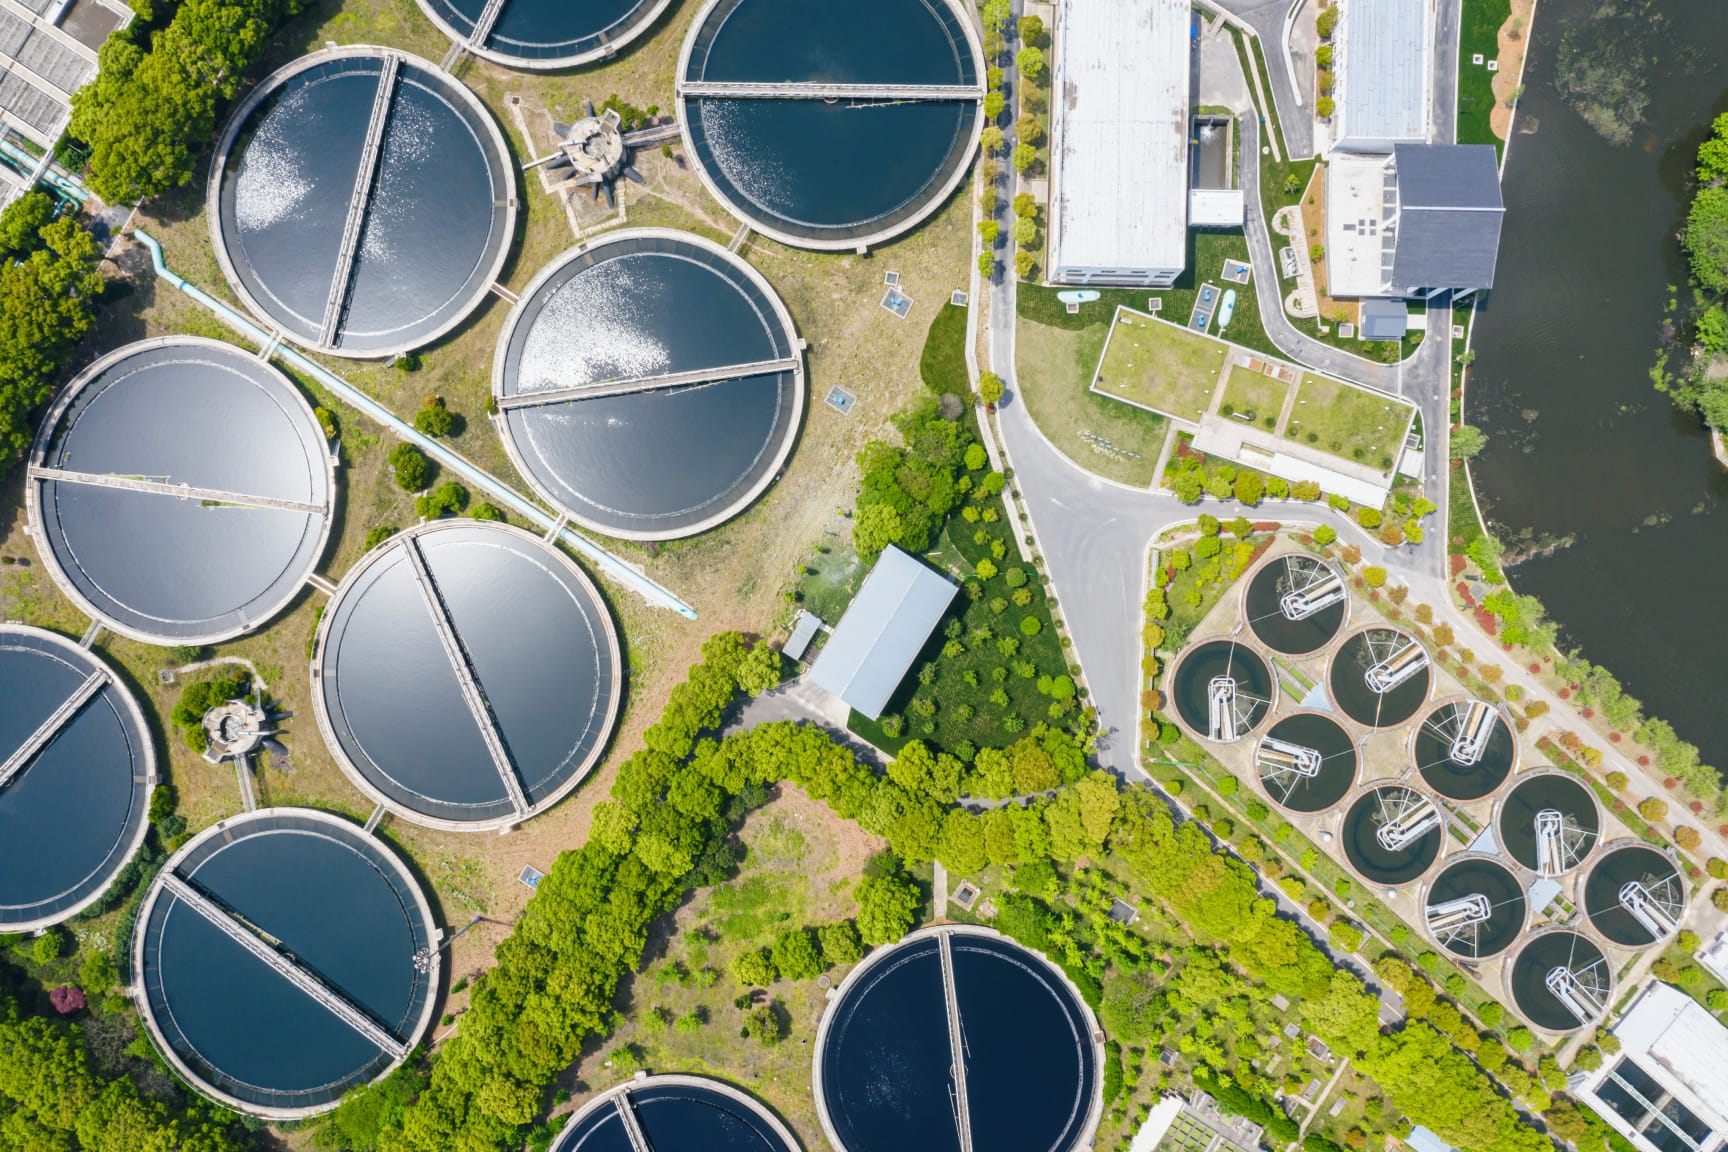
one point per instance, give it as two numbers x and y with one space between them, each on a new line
1514 40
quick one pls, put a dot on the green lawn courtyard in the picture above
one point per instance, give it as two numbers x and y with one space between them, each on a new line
1349 422
1115 440
1253 398
1160 366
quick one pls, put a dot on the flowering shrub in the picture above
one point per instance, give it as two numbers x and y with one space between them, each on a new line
67 999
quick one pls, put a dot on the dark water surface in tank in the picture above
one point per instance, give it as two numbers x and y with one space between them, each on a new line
1337 762
1272 628
1361 703
1469 877
1455 781
830 41
1197 667
1377 863
1580 444
1613 871
1530 970
1518 813
66 820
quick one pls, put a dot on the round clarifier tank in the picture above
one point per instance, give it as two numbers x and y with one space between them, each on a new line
1392 835
1464 749
181 491
884 1064
1560 981
543 35
365 201
449 635
650 384
285 957
1549 822
1380 676
825 131
1295 604
1307 762
674 1114
1223 689
76 770
1475 907
1635 895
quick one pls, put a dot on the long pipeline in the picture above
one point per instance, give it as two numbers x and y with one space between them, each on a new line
612 565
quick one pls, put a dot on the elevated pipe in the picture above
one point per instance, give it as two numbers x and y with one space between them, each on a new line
612 565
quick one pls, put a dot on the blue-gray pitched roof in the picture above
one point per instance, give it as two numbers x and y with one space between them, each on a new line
1384 320
1449 216
1448 176
890 619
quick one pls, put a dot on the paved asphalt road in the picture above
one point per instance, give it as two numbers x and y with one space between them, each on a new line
1267 18
1445 98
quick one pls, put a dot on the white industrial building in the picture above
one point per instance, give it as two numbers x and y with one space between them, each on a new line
1666 1090
1384 69
1119 142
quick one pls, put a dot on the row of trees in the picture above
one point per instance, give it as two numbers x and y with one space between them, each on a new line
1697 388
159 91
49 288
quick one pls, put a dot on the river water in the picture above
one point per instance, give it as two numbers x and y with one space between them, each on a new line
1581 445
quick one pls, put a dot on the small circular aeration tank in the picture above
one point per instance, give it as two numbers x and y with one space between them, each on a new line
1380 676
1296 604
285 957
1223 689
1307 762
1392 834
1560 981
77 767
1464 749
450 634
181 490
1549 822
1475 907
1635 895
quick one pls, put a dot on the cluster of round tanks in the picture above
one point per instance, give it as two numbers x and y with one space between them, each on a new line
957 1038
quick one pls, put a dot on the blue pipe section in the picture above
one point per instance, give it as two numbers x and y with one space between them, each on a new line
65 185
614 567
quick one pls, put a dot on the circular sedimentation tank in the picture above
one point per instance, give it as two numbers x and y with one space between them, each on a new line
1475 907
650 384
1380 676
1223 689
825 131
1560 981
884 1074
365 202
1307 762
181 491
674 1114
1464 749
543 35
1296 604
1392 835
1634 895
285 956
466 675
76 771
1549 822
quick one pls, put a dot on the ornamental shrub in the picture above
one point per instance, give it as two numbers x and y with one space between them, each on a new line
412 470
1030 626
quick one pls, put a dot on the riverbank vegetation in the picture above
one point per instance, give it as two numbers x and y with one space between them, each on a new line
1692 365
1604 63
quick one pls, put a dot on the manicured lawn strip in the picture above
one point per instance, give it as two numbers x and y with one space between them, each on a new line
1348 422
1161 366
1480 25
943 362
1254 396
1463 527
1054 367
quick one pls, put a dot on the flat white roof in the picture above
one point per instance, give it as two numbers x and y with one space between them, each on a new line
1120 138
1675 1039
1216 208
1384 66
1157 1124
1358 237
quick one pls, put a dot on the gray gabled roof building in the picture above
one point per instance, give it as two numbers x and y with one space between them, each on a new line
884 628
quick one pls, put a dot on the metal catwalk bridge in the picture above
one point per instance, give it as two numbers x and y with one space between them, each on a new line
814 90
956 1043
648 383
50 728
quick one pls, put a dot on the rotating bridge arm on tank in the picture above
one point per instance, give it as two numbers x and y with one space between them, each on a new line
649 383
465 678
289 968
485 22
51 727
816 90
956 1042
179 491
1578 991
632 1123
1658 913
1319 589
360 197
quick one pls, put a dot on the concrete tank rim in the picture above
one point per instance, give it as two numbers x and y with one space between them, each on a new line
1351 799
39 449
681 104
1469 856
639 24
321 708
1343 638
1517 779
268 86
141 999
1512 956
782 314
134 713
1095 1109
1433 705
1253 646
1355 771
724 1088
1247 582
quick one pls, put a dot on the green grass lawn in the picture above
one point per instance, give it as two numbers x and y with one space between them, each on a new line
1349 422
943 361
1054 367
1160 366
1253 397
1479 33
